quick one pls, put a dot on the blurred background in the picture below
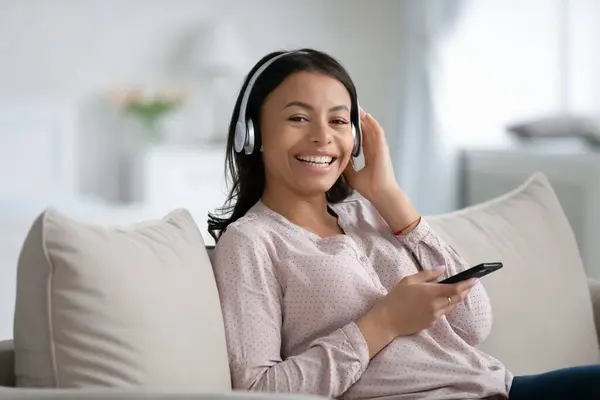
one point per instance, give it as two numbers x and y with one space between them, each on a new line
115 111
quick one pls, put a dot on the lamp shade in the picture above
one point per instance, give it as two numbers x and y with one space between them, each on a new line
222 51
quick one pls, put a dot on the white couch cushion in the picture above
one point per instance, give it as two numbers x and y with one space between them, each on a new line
135 306
543 317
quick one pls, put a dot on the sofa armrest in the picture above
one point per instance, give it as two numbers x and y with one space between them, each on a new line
594 286
7 363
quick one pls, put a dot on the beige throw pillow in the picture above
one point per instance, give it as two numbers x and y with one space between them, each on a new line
135 306
541 304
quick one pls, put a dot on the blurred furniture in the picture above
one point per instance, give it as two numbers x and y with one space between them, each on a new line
571 166
37 166
192 177
39 169
40 166
525 229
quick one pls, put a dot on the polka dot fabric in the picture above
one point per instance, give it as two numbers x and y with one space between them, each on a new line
290 299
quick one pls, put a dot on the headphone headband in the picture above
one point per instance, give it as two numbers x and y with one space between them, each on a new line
252 81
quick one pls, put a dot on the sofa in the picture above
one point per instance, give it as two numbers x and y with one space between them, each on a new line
108 312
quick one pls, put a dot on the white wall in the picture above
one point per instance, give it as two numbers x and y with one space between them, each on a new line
80 50
74 52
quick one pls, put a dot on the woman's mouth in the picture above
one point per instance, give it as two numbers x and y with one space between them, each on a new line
316 161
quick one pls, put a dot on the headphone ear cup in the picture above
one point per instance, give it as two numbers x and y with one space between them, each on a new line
250 137
357 135
239 140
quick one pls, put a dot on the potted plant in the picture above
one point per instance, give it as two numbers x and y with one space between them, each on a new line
151 109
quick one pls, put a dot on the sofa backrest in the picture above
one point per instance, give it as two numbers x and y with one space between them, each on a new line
543 317
542 310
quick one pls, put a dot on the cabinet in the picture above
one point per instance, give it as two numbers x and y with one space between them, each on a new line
169 177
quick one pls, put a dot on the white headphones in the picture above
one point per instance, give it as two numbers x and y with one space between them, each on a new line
244 128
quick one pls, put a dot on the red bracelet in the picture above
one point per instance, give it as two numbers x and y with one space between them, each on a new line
401 231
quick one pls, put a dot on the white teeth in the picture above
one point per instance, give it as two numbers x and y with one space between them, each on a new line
316 159
318 165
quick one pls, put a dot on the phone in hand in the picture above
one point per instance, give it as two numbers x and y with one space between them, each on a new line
477 271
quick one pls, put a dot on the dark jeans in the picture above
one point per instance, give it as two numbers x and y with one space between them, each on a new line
569 383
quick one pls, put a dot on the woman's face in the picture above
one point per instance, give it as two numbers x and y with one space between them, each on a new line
306 133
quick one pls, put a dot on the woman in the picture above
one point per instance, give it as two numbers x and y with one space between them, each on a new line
331 291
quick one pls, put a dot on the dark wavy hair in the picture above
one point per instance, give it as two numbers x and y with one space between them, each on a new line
246 173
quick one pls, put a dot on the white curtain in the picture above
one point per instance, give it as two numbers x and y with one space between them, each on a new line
425 162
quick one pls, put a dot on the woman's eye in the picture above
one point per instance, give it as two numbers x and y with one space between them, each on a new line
339 121
297 118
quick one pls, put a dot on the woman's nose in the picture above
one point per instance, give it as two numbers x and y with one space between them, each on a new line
320 132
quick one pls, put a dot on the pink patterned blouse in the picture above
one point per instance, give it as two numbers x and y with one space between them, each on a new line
290 299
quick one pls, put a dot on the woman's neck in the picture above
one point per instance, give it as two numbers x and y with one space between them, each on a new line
308 212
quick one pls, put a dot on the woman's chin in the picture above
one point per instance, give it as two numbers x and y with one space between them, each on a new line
315 187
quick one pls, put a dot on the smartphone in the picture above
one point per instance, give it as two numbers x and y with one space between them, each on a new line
477 271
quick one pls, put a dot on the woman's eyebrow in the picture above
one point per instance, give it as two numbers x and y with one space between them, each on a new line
309 107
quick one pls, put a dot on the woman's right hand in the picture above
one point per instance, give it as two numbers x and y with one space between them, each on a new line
414 304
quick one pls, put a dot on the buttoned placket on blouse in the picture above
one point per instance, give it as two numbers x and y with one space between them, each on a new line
344 239
360 255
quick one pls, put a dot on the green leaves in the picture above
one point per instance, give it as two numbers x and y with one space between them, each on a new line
151 109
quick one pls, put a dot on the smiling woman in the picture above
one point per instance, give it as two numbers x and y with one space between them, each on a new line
311 276
304 108
332 293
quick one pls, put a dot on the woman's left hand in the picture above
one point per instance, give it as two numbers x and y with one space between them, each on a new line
377 182
377 177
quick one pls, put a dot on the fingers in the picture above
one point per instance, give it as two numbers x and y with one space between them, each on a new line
456 291
443 306
457 298
463 295
460 287
371 129
373 123
448 296
366 127
428 275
